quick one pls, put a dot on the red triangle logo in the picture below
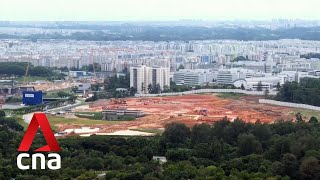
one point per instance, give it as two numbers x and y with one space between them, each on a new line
39 120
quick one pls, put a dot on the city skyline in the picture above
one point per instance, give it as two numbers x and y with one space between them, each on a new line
156 10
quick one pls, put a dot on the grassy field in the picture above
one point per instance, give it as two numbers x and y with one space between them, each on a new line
22 123
230 95
30 78
55 120
155 131
53 94
306 114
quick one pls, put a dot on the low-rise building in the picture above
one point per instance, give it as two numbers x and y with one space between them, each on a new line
77 73
194 77
229 76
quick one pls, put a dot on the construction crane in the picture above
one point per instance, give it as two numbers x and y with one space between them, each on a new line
93 66
27 70
94 70
26 74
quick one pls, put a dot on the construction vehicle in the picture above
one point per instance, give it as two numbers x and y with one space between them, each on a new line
202 111
142 100
119 101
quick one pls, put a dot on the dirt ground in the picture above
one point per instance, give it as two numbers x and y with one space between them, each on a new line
49 86
188 109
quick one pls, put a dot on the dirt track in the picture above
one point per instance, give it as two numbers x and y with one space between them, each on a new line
162 110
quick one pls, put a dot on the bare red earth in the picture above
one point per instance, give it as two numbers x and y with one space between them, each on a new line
185 109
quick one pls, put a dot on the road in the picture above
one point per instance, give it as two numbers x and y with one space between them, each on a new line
27 117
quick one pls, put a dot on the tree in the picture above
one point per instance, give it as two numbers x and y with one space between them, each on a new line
142 87
112 83
242 87
200 133
240 58
125 70
179 154
180 170
87 175
307 91
166 89
180 67
261 131
299 117
133 91
259 86
95 96
94 163
278 86
266 93
277 168
157 89
62 94
313 120
150 88
64 69
212 172
2 113
290 164
40 71
176 133
95 67
310 168
248 144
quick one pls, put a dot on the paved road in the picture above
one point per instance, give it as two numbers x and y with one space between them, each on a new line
27 117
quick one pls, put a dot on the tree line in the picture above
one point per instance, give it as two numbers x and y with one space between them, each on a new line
310 55
221 150
19 69
305 92
178 33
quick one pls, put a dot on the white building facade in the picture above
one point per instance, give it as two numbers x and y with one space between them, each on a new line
194 77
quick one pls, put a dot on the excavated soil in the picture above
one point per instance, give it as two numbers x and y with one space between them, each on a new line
188 109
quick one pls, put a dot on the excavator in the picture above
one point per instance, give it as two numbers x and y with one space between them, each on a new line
202 111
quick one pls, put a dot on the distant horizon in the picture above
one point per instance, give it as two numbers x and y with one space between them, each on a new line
178 20
157 10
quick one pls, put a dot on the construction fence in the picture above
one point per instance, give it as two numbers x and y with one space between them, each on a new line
199 91
287 104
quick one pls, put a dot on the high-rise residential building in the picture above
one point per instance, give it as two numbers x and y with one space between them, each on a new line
142 76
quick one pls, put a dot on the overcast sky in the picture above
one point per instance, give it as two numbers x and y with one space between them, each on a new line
133 10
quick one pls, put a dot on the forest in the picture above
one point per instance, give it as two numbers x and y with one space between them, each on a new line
175 33
222 150
310 55
307 91
19 69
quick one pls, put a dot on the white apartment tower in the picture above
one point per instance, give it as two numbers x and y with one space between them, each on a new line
142 76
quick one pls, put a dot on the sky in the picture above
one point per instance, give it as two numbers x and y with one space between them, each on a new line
157 10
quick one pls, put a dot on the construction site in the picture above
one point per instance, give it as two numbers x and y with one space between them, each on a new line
187 109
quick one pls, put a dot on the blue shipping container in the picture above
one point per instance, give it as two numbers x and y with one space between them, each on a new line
31 98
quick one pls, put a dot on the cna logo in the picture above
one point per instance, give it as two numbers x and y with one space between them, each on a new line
39 120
